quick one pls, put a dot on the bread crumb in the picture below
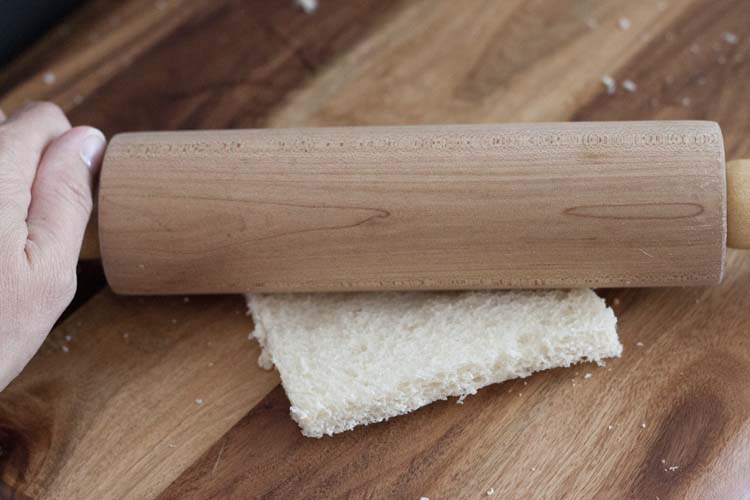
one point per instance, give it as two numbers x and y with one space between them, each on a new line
672 468
210 364
663 461
423 498
685 102
490 492
730 38
141 266
533 469
199 401
65 348
309 6
49 78
623 23
525 383
616 301
68 338
609 83
643 425
78 99
629 85
172 445
587 376
609 427
639 344
125 335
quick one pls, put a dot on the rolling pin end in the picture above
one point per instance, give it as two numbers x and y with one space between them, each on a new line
738 204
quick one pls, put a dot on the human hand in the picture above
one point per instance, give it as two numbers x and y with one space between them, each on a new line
46 172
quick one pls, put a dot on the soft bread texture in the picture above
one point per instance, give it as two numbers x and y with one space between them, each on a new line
354 359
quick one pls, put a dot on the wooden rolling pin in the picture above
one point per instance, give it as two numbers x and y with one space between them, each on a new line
426 207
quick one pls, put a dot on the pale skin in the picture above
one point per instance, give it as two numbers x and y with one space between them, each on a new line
46 172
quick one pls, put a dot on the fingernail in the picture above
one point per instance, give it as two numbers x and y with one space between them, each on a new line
92 148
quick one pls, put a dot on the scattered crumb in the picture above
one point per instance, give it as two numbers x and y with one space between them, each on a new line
68 338
525 383
210 364
186 299
533 469
629 85
199 402
685 102
460 399
591 23
623 23
49 78
721 60
643 425
490 492
587 376
141 266
78 99
695 48
423 498
309 6
172 445
65 348
639 344
663 461
730 38
609 427
671 468
616 301
520 394
125 335
609 83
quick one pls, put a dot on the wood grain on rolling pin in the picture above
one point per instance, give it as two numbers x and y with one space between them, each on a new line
450 207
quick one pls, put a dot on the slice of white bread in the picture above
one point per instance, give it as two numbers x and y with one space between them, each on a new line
353 359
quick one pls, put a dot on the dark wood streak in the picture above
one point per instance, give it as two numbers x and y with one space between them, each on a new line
227 68
640 211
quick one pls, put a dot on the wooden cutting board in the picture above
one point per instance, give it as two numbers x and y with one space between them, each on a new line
162 397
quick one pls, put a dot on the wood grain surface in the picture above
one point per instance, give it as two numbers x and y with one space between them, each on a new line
542 205
98 420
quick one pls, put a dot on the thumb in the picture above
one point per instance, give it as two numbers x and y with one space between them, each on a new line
61 199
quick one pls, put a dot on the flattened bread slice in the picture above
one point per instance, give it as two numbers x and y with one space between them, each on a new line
353 359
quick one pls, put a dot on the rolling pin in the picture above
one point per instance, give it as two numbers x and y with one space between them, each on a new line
608 204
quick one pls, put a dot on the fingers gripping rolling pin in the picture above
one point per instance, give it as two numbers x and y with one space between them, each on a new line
424 207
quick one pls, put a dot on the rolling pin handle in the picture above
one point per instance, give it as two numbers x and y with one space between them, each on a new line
738 204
